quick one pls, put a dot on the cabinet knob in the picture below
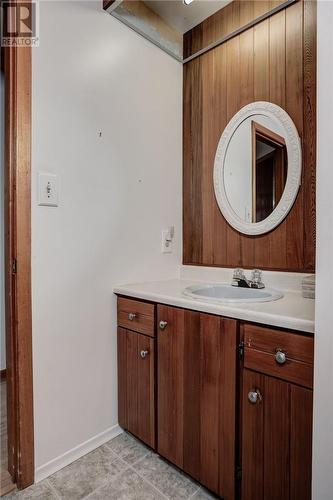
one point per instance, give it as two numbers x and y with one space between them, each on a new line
144 354
254 396
163 325
280 356
131 316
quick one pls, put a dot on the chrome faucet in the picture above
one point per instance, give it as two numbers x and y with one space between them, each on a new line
239 279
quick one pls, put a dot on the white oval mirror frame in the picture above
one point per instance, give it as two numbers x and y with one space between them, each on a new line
294 152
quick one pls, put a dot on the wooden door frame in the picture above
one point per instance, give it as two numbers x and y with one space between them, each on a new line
17 73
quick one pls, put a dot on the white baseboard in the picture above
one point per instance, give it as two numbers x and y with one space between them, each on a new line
79 451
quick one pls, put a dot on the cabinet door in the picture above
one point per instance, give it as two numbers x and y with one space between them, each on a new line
301 407
170 382
276 439
196 395
136 390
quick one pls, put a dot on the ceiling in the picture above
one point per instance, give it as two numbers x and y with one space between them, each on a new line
184 17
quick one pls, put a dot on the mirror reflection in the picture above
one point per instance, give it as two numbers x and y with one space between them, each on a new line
269 170
255 168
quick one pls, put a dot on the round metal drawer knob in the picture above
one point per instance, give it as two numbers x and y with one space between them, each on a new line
253 397
131 316
163 325
144 354
280 357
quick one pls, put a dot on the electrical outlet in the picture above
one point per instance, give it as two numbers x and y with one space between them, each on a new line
166 241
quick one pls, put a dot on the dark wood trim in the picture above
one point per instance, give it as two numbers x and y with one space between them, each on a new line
3 374
246 266
9 251
309 144
18 249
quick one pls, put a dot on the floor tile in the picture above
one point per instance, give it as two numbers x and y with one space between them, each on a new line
39 491
171 482
106 473
204 494
128 448
82 477
127 486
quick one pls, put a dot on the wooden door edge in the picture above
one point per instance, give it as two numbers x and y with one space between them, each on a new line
18 264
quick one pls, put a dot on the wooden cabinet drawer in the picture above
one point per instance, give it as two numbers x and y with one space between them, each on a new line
262 346
137 316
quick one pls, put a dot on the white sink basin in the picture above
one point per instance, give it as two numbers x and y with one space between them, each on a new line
226 293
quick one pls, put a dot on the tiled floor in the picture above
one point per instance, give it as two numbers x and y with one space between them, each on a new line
122 469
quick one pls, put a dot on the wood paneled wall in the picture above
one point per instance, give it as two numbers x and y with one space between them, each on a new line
219 25
273 61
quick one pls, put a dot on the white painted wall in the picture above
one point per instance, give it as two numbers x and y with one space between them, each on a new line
2 235
323 391
117 192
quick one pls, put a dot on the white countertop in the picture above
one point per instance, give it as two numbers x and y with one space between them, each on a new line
291 312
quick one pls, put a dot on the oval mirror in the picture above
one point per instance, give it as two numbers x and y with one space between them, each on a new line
257 169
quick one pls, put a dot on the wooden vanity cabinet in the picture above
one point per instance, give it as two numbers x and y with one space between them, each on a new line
238 420
276 415
196 403
136 369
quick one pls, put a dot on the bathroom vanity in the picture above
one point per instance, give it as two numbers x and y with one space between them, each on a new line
217 378
225 399
224 392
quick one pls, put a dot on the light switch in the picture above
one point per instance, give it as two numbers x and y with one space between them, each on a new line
48 189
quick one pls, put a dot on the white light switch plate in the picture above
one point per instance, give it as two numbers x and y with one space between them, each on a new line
47 189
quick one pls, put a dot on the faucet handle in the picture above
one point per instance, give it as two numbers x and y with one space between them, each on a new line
256 276
238 274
